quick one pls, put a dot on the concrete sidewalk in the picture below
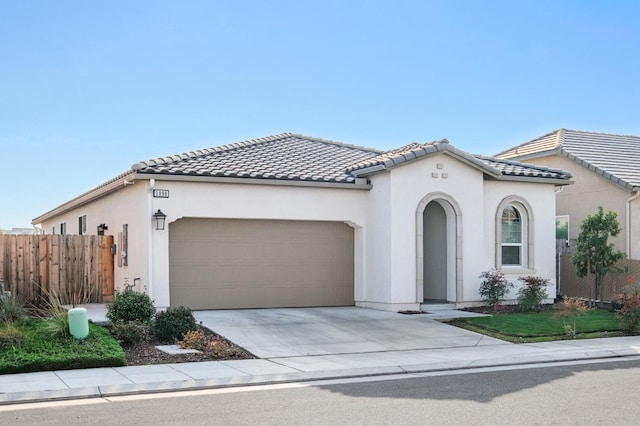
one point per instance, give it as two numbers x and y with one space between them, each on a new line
455 349
100 382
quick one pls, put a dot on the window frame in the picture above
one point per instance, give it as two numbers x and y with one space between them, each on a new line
82 225
526 236
520 245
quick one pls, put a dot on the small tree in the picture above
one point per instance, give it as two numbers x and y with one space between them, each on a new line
593 252
571 310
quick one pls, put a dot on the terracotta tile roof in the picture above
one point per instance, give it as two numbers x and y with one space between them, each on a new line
497 168
615 157
285 156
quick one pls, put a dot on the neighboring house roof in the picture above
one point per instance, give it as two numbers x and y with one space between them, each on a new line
615 157
20 231
285 156
493 167
289 158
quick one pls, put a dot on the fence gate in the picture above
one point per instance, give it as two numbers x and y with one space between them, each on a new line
76 268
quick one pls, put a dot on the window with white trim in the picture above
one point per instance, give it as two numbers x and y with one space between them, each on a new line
512 236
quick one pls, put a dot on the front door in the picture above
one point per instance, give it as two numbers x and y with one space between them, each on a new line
435 252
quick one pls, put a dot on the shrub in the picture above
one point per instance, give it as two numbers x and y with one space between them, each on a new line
130 333
11 309
629 314
571 310
222 350
130 305
217 348
531 295
494 288
193 339
173 323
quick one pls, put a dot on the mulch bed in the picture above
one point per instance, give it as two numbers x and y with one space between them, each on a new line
220 349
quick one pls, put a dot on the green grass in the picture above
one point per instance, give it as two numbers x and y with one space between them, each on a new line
30 346
541 326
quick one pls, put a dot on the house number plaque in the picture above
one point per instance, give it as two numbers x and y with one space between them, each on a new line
160 193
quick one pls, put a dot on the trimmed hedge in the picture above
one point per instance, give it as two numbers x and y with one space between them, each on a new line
38 350
173 323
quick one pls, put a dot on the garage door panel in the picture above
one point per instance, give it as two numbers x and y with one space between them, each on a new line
226 264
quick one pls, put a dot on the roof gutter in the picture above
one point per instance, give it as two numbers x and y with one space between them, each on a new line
628 222
358 184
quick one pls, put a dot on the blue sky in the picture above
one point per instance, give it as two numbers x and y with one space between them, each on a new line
88 88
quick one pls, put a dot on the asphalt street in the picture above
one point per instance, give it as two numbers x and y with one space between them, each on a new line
564 393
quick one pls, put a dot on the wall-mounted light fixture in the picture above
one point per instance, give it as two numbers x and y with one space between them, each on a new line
101 228
159 219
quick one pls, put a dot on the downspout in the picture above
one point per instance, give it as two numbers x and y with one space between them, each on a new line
558 189
628 223
152 184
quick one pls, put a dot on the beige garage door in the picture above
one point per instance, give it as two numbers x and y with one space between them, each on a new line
232 264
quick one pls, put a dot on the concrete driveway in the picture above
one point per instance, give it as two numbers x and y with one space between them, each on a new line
291 332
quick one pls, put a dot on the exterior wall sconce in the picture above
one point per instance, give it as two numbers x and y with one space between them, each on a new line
101 228
159 219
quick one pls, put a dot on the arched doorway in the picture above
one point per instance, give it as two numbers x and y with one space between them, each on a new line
435 250
439 239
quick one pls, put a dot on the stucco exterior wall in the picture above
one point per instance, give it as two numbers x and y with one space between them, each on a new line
589 191
392 281
127 205
540 198
440 174
376 287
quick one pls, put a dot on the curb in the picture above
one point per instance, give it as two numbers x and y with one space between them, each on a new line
245 381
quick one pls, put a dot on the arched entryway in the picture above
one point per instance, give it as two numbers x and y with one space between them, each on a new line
439 244
435 250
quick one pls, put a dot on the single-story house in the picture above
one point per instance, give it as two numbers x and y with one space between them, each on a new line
606 171
291 220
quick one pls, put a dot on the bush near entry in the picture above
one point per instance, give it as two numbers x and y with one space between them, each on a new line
494 288
130 305
531 295
173 323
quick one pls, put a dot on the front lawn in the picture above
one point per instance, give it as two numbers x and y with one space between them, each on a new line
541 326
35 348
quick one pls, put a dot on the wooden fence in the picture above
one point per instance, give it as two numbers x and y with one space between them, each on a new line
617 282
76 268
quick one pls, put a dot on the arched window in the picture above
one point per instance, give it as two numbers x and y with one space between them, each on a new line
514 234
511 236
